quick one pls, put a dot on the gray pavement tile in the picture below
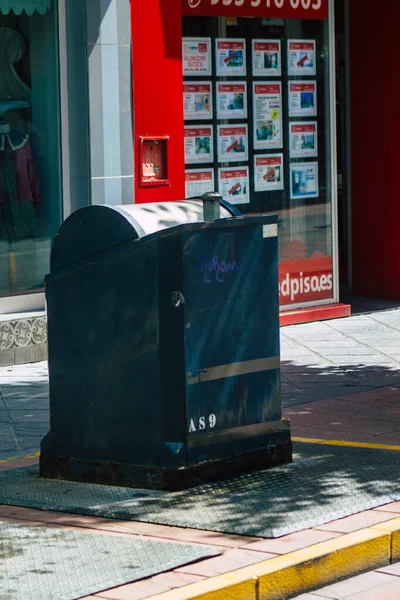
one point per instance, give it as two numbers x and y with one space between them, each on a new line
319 336
29 415
5 416
31 388
30 429
326 344
8 440
317 365
313 396
362 359
49 563
393 357
370 336
323 483
357 350
27 403
31 445
353 585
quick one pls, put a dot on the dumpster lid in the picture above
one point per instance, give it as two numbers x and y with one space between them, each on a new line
94 229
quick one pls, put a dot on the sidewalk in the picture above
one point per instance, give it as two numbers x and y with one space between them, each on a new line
341 392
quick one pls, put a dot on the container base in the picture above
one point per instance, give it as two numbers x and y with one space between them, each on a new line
156 478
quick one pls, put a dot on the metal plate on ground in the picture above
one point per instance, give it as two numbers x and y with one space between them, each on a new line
48 563
324 483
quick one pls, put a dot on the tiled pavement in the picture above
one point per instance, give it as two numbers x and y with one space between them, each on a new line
347 367
382 584
340 381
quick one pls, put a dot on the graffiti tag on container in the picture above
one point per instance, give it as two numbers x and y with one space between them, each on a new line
217 270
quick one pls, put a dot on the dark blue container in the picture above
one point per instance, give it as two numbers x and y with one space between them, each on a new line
163 347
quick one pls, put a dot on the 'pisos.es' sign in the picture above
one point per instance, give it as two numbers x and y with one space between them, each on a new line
286 9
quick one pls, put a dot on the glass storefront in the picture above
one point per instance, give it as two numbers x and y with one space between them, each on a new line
257 111
30 171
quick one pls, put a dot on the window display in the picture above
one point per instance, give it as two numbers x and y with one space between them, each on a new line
301 57
272 151
197 100
266 58
268 172
199 181
232 143
196 56
267 117
303 139
234 185
232 100
30 197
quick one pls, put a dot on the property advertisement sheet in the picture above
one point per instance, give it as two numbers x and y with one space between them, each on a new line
267 107
197 100
266 58
199 181
303 139
302 57
234 185
304 180
230 56
199 147
232 143
232 100
302 99
268 172
196 56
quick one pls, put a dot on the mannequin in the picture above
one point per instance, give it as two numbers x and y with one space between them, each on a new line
19 179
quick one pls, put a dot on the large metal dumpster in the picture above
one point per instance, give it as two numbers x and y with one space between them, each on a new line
163 347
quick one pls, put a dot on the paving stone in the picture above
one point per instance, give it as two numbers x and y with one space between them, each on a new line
391 570
293 542
356 522
360 584
229 561
392 507
387 591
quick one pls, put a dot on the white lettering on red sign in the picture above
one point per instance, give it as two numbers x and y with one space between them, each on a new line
306 4
207 7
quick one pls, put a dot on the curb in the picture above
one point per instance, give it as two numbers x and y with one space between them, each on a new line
301 571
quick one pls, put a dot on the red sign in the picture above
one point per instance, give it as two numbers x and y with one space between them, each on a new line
305 280
284 9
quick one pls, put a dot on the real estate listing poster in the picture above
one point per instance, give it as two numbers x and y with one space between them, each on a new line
232 143
268 172
199 181
197 100
230 56
302 99
232 100
196 56
303 139
199 146
267 118
266 58
301 58
304 180
234 185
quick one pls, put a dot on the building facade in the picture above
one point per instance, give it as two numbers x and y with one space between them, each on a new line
120 101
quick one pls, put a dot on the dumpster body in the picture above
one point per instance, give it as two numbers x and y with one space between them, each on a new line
163 349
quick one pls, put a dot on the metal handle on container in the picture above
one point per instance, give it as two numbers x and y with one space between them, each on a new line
211 206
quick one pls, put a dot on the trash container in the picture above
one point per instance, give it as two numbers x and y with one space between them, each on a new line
163 346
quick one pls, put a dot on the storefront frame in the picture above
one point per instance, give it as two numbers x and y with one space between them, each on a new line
334 188
24 302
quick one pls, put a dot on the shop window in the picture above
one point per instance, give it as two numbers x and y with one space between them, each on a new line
30 191
257 128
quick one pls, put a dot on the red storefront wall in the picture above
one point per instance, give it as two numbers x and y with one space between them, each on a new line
375 118
157 90
157 72
158 98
